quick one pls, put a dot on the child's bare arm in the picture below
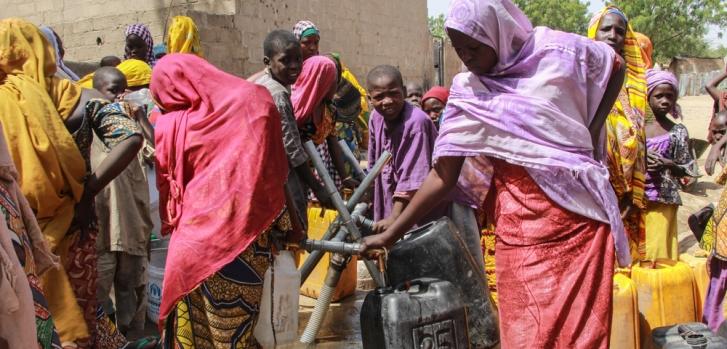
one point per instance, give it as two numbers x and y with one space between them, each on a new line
714 154
334 148
146 128
398 207
306 174
441 180
712 88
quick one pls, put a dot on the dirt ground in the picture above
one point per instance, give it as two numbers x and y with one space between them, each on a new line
697 111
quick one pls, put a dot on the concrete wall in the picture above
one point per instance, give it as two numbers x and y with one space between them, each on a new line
365 33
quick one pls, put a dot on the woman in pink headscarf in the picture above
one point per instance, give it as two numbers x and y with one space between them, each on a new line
221 168
510 128
312 96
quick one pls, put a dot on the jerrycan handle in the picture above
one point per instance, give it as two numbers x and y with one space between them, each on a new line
414 286
383 258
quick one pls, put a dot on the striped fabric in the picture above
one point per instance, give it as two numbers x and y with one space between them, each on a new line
626 137
302 27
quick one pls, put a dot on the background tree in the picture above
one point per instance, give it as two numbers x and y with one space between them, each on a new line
676 27
436 26
566 15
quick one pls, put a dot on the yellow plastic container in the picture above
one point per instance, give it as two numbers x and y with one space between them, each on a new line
701 279
318 222
625 321
666 295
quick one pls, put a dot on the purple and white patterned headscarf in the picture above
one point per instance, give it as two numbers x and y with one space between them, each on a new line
519 113
658 77
143 32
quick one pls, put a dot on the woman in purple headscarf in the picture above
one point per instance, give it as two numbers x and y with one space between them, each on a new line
668 159
526 121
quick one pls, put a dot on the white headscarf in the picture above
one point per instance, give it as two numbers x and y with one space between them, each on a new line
63 71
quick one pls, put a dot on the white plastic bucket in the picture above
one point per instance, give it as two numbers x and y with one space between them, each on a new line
154 293
157 262
154 201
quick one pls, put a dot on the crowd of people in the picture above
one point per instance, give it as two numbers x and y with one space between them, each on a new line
548 145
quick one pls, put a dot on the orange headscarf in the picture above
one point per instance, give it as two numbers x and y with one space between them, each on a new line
647 49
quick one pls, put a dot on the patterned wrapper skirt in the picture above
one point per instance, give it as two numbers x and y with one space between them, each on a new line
222 311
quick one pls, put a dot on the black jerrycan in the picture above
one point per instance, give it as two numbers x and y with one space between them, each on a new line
693 335
437 250
421 314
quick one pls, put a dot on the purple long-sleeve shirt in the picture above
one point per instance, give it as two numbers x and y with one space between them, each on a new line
411 142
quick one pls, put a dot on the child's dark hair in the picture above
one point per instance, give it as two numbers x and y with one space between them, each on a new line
277 41
103 73
387 71
110 61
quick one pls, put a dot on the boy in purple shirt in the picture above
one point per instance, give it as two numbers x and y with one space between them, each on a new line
408 134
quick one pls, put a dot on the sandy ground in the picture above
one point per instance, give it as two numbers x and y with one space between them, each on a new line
697 111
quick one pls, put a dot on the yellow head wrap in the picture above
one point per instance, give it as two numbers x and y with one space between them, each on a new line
636 68
33 107
183 36
137 73
86 81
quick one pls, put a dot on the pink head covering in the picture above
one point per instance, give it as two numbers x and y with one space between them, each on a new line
498 24
437 92
520 115
221 168
657 77
314 82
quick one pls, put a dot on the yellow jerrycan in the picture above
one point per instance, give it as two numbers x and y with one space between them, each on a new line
318 221
701 278
666 295
625 320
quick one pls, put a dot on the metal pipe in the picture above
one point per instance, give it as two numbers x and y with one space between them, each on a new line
358 173
366 225
338 203
347 248
315 256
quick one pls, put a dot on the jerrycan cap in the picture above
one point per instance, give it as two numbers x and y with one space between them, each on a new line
384 290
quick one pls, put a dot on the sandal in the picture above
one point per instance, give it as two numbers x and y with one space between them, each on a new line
698 221
151 342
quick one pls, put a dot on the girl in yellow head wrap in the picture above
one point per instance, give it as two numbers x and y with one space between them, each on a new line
626 138
183 36
48 123
137 73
